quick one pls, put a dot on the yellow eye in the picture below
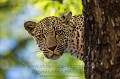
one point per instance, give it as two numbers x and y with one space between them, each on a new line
59 32
41 36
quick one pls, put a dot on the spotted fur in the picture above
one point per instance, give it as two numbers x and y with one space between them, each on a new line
56 35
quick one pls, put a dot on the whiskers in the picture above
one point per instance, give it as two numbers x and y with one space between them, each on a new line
37 54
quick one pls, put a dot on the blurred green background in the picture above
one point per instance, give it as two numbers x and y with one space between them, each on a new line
20 58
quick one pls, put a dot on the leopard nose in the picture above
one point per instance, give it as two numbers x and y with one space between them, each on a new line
52 48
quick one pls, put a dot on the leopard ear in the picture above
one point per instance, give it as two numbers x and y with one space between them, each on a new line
67 17
29 26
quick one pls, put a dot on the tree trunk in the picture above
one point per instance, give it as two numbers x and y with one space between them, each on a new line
102 39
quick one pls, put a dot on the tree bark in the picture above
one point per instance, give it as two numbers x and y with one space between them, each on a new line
102 39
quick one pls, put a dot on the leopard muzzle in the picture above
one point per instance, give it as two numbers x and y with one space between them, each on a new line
52 50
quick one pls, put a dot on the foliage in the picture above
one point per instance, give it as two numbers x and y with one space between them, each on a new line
17 48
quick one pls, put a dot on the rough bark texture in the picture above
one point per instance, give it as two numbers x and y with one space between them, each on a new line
102 39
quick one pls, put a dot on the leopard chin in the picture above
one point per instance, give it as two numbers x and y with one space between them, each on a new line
53 54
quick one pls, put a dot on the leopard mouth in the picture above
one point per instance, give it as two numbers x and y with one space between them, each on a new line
53 53
52 57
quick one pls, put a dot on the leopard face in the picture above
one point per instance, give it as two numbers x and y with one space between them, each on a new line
56 35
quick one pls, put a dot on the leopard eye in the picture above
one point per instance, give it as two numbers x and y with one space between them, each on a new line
40 36
59 32
57 28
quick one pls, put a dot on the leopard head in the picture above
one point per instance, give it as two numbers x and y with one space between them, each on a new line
51 34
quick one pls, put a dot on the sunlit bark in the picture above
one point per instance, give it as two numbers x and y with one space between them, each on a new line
102 39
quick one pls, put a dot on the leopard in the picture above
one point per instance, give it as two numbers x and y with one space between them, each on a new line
58 35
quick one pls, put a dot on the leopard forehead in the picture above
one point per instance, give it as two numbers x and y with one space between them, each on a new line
58 22
49 23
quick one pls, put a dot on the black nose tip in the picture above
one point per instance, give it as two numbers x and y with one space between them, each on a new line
52 48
